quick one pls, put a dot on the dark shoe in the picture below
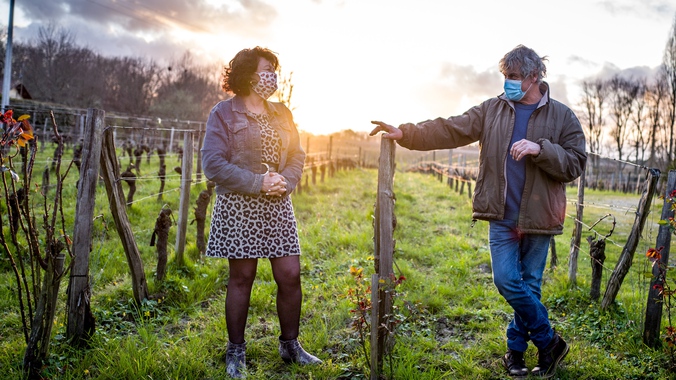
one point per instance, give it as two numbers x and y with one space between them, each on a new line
550 357
235 360
515 364
292 352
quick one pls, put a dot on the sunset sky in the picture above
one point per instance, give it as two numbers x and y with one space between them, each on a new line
358 60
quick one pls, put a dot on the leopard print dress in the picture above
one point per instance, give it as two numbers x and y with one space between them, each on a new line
253 227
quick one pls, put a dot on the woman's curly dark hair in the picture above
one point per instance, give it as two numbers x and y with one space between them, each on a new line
237 75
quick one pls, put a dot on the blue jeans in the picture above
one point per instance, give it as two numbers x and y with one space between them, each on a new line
518 262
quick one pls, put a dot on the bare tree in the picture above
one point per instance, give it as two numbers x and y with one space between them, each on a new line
622 93
187 91
285 91
130 85
639 134
655 102
594 93
53 67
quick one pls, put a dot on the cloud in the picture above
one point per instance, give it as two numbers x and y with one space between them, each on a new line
471 81
88 36
559 90
456 88
648 9
155 15
577 60
127 27
609 71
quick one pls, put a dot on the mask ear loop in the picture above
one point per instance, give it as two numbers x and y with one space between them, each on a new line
252 83
525 92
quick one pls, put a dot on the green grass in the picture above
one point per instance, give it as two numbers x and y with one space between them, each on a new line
453 317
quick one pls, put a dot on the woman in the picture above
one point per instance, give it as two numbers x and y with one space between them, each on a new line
252 152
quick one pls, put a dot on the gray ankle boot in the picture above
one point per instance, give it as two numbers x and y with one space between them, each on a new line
235 360
292 352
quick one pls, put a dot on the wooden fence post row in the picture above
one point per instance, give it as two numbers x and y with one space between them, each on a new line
601 173
323 168
455 181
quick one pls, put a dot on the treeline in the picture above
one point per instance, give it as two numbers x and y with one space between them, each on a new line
633 119
53 68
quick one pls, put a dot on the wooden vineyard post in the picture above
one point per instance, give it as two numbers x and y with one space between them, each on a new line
80 319
577 232
627 255
554 260
653 311
110 171
384 248
186 179
200 140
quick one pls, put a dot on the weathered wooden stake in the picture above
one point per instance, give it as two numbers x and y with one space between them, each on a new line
384 248
577 232
200 140
553 259
110 171
80 323
171 140
629 249
653 312
44 134
186 179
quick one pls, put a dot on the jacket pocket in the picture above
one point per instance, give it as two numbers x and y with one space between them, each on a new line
237 126
547 206
238 136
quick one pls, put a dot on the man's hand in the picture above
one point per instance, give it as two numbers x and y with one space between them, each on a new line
523 148
390 131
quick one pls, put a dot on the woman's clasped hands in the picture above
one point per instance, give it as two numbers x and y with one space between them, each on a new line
274 184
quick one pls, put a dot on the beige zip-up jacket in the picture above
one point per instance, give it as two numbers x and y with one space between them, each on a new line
562 158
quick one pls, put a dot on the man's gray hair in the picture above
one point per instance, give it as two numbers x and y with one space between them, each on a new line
526 61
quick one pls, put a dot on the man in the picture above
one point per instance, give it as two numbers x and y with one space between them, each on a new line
530 145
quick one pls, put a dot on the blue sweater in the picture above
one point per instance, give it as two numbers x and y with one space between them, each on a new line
516 170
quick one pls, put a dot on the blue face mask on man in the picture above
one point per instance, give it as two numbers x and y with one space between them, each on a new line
513 89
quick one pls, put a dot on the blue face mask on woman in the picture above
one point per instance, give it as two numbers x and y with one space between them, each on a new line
513 89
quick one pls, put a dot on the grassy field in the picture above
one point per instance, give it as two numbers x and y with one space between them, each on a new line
453 318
